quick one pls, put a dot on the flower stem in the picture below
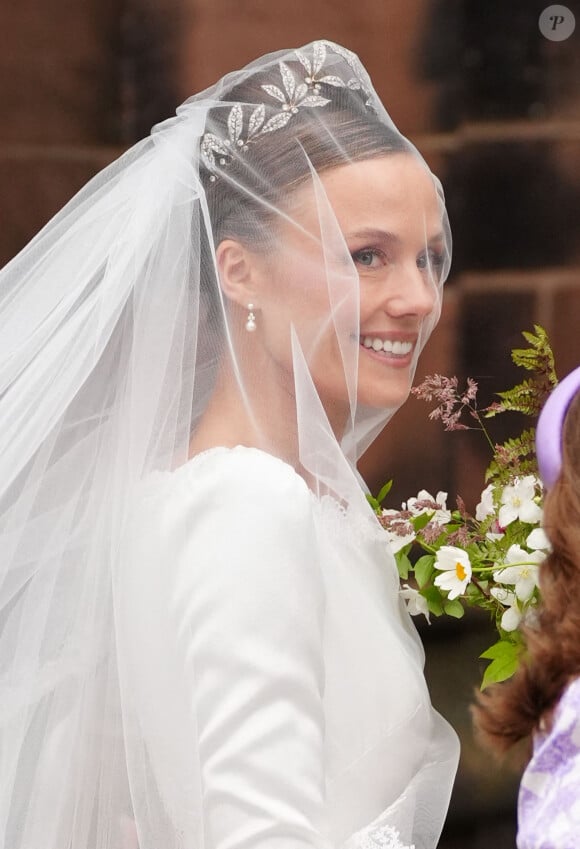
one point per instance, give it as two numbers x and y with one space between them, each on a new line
484 431
480 588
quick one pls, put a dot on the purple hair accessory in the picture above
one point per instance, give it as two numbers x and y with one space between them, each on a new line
549 429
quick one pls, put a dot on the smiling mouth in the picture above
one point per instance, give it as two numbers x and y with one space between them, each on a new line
392 347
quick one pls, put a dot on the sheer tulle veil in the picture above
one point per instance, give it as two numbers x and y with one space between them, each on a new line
114 329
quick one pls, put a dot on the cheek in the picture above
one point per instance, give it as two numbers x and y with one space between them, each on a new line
372 297
294 297
382 390
299 292
298 287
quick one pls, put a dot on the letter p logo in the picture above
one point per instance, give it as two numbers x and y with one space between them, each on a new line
557 23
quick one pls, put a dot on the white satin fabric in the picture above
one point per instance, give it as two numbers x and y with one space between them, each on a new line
272 679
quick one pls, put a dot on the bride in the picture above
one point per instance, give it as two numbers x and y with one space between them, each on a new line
202 643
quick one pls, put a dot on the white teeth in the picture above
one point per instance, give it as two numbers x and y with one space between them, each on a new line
396 347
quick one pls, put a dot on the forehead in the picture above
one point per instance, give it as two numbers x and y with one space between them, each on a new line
396 192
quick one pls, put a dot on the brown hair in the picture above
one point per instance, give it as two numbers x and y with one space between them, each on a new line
508 712
246 194
348 128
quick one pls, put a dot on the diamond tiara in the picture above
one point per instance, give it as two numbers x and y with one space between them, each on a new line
288 99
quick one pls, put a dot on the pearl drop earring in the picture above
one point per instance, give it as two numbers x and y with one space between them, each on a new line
251 319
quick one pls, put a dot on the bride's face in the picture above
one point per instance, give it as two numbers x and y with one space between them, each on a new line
390 237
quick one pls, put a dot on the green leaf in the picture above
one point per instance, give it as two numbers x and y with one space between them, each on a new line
373 502
403 564
384 491
505 657
434 600
473 592
423 569
454 608
497 650
420 521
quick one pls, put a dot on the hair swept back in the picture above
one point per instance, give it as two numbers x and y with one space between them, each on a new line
511 711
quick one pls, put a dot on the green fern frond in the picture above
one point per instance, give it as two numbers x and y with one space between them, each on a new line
539 357
517 455
523 398
528 397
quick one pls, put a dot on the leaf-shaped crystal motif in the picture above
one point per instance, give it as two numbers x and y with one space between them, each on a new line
294 95
235 122
305 62
256 120
288 80
301 92
332 80
315 100
277 122
360 81
215 144
274 91
349 57
210 145
318 57
314 69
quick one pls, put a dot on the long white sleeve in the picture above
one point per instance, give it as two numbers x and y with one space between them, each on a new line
249 606
272 689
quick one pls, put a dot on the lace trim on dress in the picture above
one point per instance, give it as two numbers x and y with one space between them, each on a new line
344 519
382 837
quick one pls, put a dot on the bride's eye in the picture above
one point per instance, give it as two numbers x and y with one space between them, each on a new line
432 259
368 257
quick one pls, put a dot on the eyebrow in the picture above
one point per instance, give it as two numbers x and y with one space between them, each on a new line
386 236
373 234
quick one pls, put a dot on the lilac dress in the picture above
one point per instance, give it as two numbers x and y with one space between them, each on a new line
549 801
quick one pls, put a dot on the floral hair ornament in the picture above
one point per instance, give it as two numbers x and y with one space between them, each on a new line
549 428
288 99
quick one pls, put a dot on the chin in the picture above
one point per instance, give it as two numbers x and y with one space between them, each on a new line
382 397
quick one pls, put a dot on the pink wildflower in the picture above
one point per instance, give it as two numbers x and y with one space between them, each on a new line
451 404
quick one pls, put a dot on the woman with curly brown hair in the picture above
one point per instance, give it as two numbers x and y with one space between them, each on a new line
543 698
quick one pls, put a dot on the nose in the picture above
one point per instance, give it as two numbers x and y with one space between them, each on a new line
411 291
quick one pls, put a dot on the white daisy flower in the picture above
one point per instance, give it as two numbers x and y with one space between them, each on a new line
485 507
415 602
512 616
518 502
538 541
523 571
455 567
426 503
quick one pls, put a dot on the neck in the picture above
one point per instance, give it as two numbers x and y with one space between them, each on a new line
256 411
257 408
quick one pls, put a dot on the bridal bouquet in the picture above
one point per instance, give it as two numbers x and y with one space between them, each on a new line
448 558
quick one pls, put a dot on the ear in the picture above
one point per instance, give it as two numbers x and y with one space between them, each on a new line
238 271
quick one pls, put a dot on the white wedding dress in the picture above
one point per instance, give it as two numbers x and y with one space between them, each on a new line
275 677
